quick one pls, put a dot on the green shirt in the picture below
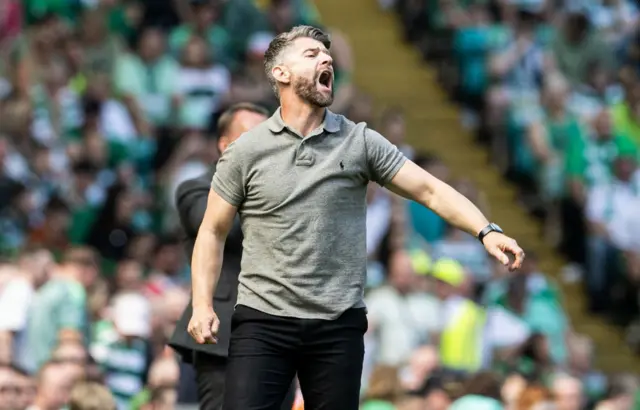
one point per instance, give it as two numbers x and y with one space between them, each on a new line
125 364
560 135
571 58
67 9
473 402
69 113
625 122
82 220
591 160
101 58
153 85
60 304
377 405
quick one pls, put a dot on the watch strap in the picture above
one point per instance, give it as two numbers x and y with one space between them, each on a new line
487 230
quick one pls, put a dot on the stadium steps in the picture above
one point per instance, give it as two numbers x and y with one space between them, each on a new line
393 73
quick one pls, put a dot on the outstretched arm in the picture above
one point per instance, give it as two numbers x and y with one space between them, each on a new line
413 182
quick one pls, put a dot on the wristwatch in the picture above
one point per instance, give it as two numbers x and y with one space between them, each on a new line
487 230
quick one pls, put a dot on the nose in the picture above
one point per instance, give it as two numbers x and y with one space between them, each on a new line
326 60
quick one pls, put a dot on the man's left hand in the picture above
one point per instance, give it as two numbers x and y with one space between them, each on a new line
500 246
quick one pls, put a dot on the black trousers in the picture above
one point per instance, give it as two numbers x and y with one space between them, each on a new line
210 379
266 352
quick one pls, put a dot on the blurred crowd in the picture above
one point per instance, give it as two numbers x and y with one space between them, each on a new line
106 106
551 89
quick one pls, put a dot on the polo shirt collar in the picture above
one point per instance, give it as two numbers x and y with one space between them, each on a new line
331 122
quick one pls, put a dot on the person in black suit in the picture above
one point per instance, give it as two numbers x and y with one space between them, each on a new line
209 360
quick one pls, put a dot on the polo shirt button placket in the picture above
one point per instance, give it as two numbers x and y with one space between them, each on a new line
303 158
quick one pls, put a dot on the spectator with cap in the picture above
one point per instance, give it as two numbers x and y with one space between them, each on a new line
465 249
470 335
124 354
462 321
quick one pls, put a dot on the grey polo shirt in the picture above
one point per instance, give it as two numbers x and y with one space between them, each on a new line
303 213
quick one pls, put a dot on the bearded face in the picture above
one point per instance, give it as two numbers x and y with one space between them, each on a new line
318 90
309 67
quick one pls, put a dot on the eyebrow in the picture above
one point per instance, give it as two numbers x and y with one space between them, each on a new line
316 49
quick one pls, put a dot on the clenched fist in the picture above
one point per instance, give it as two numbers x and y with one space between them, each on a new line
203 326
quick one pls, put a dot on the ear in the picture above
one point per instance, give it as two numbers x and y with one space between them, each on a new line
223 143
281 74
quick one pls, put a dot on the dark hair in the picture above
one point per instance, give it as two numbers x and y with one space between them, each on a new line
84 166
485 384
166 241
91 107
56 204
284 40
579 22
226 118
15 189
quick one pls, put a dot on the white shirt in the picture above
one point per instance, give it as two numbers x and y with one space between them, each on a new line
627 234
610 205
15 301
401 323
116 122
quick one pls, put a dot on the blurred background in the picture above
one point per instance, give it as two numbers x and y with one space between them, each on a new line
531 108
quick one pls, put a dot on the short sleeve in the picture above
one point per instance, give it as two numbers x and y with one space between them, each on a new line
229 179
384 159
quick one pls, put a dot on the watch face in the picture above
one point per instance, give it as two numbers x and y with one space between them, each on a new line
497 228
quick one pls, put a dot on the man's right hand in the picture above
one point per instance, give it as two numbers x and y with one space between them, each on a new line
203 326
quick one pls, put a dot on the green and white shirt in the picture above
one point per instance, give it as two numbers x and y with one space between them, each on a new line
125 364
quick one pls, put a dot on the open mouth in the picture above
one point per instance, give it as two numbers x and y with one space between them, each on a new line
325 79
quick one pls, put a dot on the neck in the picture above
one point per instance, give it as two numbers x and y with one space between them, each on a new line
299 115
